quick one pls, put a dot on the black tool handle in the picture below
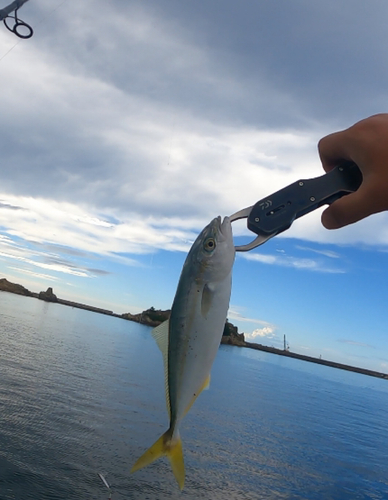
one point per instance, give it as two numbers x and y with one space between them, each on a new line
275 213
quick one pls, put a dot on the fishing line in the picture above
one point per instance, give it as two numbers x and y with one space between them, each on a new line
171 140
2 57
51 12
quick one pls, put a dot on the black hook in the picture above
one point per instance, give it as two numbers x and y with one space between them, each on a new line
18 23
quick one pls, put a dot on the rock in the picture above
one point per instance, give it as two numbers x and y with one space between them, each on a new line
150 317
48 295
231 335
7 286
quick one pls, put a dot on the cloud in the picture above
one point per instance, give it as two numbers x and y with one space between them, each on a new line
10 207
52 267
326 253
58 224
265 332
138 117
126 128
293 262
122 150
355 343
48 277
237 313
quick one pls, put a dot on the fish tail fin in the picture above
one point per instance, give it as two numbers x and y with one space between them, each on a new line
175 455
172 448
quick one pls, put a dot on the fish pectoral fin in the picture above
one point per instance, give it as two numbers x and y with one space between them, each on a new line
172 448
204 387
207 299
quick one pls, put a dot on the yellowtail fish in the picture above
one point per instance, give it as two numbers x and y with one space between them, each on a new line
189 340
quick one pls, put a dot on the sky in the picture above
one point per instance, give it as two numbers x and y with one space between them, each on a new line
126 126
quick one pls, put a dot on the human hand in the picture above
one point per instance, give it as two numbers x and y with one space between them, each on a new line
366 144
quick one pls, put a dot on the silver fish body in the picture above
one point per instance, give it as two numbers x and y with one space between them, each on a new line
189 340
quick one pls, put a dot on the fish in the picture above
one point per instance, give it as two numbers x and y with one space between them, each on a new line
190 338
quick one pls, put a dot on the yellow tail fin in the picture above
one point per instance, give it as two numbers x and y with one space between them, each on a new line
172 449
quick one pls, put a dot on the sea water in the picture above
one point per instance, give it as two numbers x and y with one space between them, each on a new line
82 393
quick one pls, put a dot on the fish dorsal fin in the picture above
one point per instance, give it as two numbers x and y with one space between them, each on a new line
207 299
204 387
160 334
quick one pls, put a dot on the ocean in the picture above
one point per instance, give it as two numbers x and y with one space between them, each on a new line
82 393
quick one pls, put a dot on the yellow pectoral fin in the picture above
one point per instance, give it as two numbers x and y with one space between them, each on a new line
172 449
204 387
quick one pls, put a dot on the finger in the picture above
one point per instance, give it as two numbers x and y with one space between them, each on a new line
349 209
333 149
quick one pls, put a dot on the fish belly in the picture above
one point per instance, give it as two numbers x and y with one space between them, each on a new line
196 348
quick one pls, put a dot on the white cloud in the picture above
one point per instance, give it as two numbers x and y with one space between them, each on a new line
237 313
52 267
372 231
125 138
326 253
34 274
290 261
265 332
49 221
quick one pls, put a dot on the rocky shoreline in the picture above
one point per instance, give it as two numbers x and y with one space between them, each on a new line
7 286
154 317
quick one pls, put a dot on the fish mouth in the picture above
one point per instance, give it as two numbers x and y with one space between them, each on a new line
221 226
224 226
218 225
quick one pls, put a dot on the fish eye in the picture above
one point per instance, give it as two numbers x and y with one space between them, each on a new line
209 244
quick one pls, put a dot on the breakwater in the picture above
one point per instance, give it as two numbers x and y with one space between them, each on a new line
49 296
86 307
318 361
